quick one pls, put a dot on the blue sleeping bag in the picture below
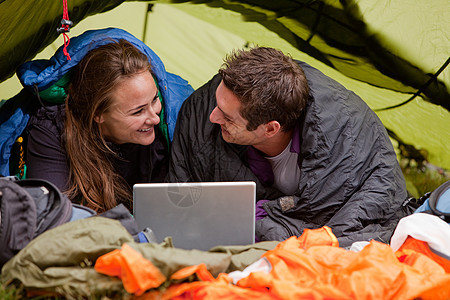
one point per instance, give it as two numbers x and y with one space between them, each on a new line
52 74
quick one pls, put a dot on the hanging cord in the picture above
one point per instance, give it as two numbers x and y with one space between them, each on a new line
420 90
65 27
38 96
19 141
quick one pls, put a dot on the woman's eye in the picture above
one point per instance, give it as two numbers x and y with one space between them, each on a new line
155 99
138 112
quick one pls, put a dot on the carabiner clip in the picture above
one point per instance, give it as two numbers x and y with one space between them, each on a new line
65 26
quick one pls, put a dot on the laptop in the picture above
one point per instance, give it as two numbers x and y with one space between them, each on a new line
197 215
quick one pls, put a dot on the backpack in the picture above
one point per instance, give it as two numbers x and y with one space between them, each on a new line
437 202
28 208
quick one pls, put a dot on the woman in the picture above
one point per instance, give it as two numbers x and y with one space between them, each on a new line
107 136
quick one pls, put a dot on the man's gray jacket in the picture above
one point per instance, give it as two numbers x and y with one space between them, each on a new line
350 177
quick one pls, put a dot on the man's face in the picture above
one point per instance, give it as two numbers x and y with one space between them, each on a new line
234 126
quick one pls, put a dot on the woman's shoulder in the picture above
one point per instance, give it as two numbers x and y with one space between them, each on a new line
49 116
50 112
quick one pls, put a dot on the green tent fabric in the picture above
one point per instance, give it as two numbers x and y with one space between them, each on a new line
394 54
26 27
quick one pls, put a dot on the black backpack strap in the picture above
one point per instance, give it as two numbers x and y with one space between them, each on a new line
411 204
434 198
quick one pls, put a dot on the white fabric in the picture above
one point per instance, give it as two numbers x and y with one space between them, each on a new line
285 170
358 246
261 265
423 227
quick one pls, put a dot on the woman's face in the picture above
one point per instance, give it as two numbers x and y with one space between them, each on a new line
134 111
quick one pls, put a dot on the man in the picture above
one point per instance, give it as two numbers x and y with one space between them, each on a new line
317 152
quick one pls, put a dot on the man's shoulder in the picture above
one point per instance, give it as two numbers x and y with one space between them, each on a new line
328 93
201 102
208 89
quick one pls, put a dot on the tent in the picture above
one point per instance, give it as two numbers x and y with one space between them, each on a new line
394 54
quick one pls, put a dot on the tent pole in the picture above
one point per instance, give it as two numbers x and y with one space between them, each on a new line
144 33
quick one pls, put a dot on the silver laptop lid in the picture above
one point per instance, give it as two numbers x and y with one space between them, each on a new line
197 215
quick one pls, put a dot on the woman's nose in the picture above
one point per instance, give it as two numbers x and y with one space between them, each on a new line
152 118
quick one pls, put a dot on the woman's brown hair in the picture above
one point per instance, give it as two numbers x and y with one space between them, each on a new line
93 181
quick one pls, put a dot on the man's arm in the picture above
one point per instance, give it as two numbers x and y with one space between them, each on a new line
374 210
371 213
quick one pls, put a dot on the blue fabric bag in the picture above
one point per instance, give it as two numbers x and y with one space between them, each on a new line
438 202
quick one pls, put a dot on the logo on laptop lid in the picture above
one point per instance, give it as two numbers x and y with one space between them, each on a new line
179 197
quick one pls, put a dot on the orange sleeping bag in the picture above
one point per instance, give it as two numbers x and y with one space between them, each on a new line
311 266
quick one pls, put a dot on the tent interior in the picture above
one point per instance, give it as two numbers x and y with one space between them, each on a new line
394 54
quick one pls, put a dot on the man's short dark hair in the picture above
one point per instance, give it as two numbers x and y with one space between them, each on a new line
269 84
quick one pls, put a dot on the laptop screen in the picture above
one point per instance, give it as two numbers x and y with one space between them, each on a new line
197 215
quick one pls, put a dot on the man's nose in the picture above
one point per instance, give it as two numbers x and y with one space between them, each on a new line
216 116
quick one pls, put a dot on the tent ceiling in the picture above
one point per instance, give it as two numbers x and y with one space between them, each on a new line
28 26
397 47
334 32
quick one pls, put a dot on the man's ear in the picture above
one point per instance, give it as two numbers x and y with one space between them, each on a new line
272 128
99 119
